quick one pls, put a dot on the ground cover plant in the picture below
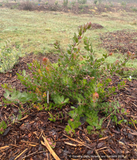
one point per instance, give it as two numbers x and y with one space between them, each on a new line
79 100
8 57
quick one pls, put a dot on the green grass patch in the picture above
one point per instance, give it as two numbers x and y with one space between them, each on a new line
37 31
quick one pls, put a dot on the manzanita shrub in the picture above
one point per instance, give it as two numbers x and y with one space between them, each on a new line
78 78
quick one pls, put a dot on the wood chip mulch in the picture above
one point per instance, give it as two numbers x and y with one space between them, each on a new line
120 41
35 137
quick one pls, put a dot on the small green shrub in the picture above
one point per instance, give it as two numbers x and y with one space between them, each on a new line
77 79
97 2
107 6
111 4
82 10
65 2
123 4
27 6
69 6
73 3
80 6
8 57
86 5
46 3
134 9
82 1
14 6
53 7
56 3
